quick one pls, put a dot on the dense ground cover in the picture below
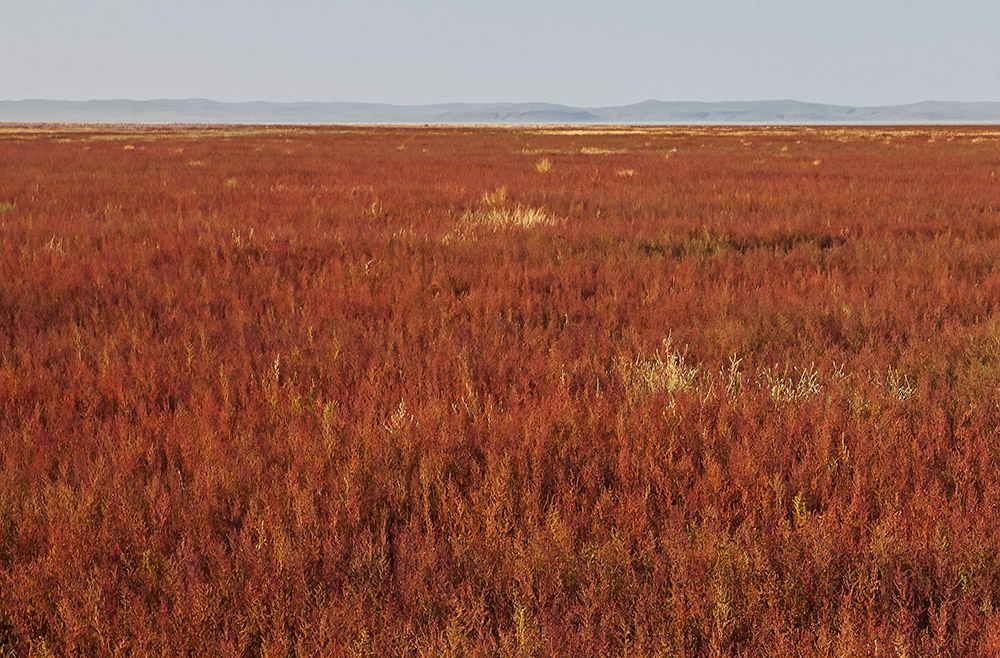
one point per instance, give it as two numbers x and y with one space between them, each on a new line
400 391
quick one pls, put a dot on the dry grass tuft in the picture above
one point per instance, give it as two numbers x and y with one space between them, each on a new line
596 150
666 371
495 198
496 213
790 385
506 217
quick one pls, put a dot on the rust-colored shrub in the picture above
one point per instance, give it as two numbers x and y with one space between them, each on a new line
390 391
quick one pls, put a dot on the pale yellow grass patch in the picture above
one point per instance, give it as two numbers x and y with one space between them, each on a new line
784 386
496 213
495 198
607 130
597 150
504 217
665 371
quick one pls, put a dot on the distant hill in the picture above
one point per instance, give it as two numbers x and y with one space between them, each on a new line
646 112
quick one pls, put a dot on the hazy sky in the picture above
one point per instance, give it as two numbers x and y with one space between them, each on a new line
581 52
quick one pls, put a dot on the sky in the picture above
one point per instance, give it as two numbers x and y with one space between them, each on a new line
579 52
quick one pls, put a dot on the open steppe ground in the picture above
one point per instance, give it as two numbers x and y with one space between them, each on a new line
459 392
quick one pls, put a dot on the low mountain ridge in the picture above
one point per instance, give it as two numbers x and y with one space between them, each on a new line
645 112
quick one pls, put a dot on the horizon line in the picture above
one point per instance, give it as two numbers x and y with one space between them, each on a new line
494 102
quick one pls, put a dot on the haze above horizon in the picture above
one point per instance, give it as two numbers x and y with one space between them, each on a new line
583 53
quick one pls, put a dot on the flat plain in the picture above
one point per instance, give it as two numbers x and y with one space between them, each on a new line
375 391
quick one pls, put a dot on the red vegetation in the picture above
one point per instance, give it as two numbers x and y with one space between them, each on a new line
455 392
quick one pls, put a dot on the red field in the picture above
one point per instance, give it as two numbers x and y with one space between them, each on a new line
489 392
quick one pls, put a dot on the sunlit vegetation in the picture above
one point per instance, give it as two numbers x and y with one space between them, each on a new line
491 392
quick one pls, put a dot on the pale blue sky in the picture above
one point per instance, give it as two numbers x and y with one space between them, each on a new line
582 53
